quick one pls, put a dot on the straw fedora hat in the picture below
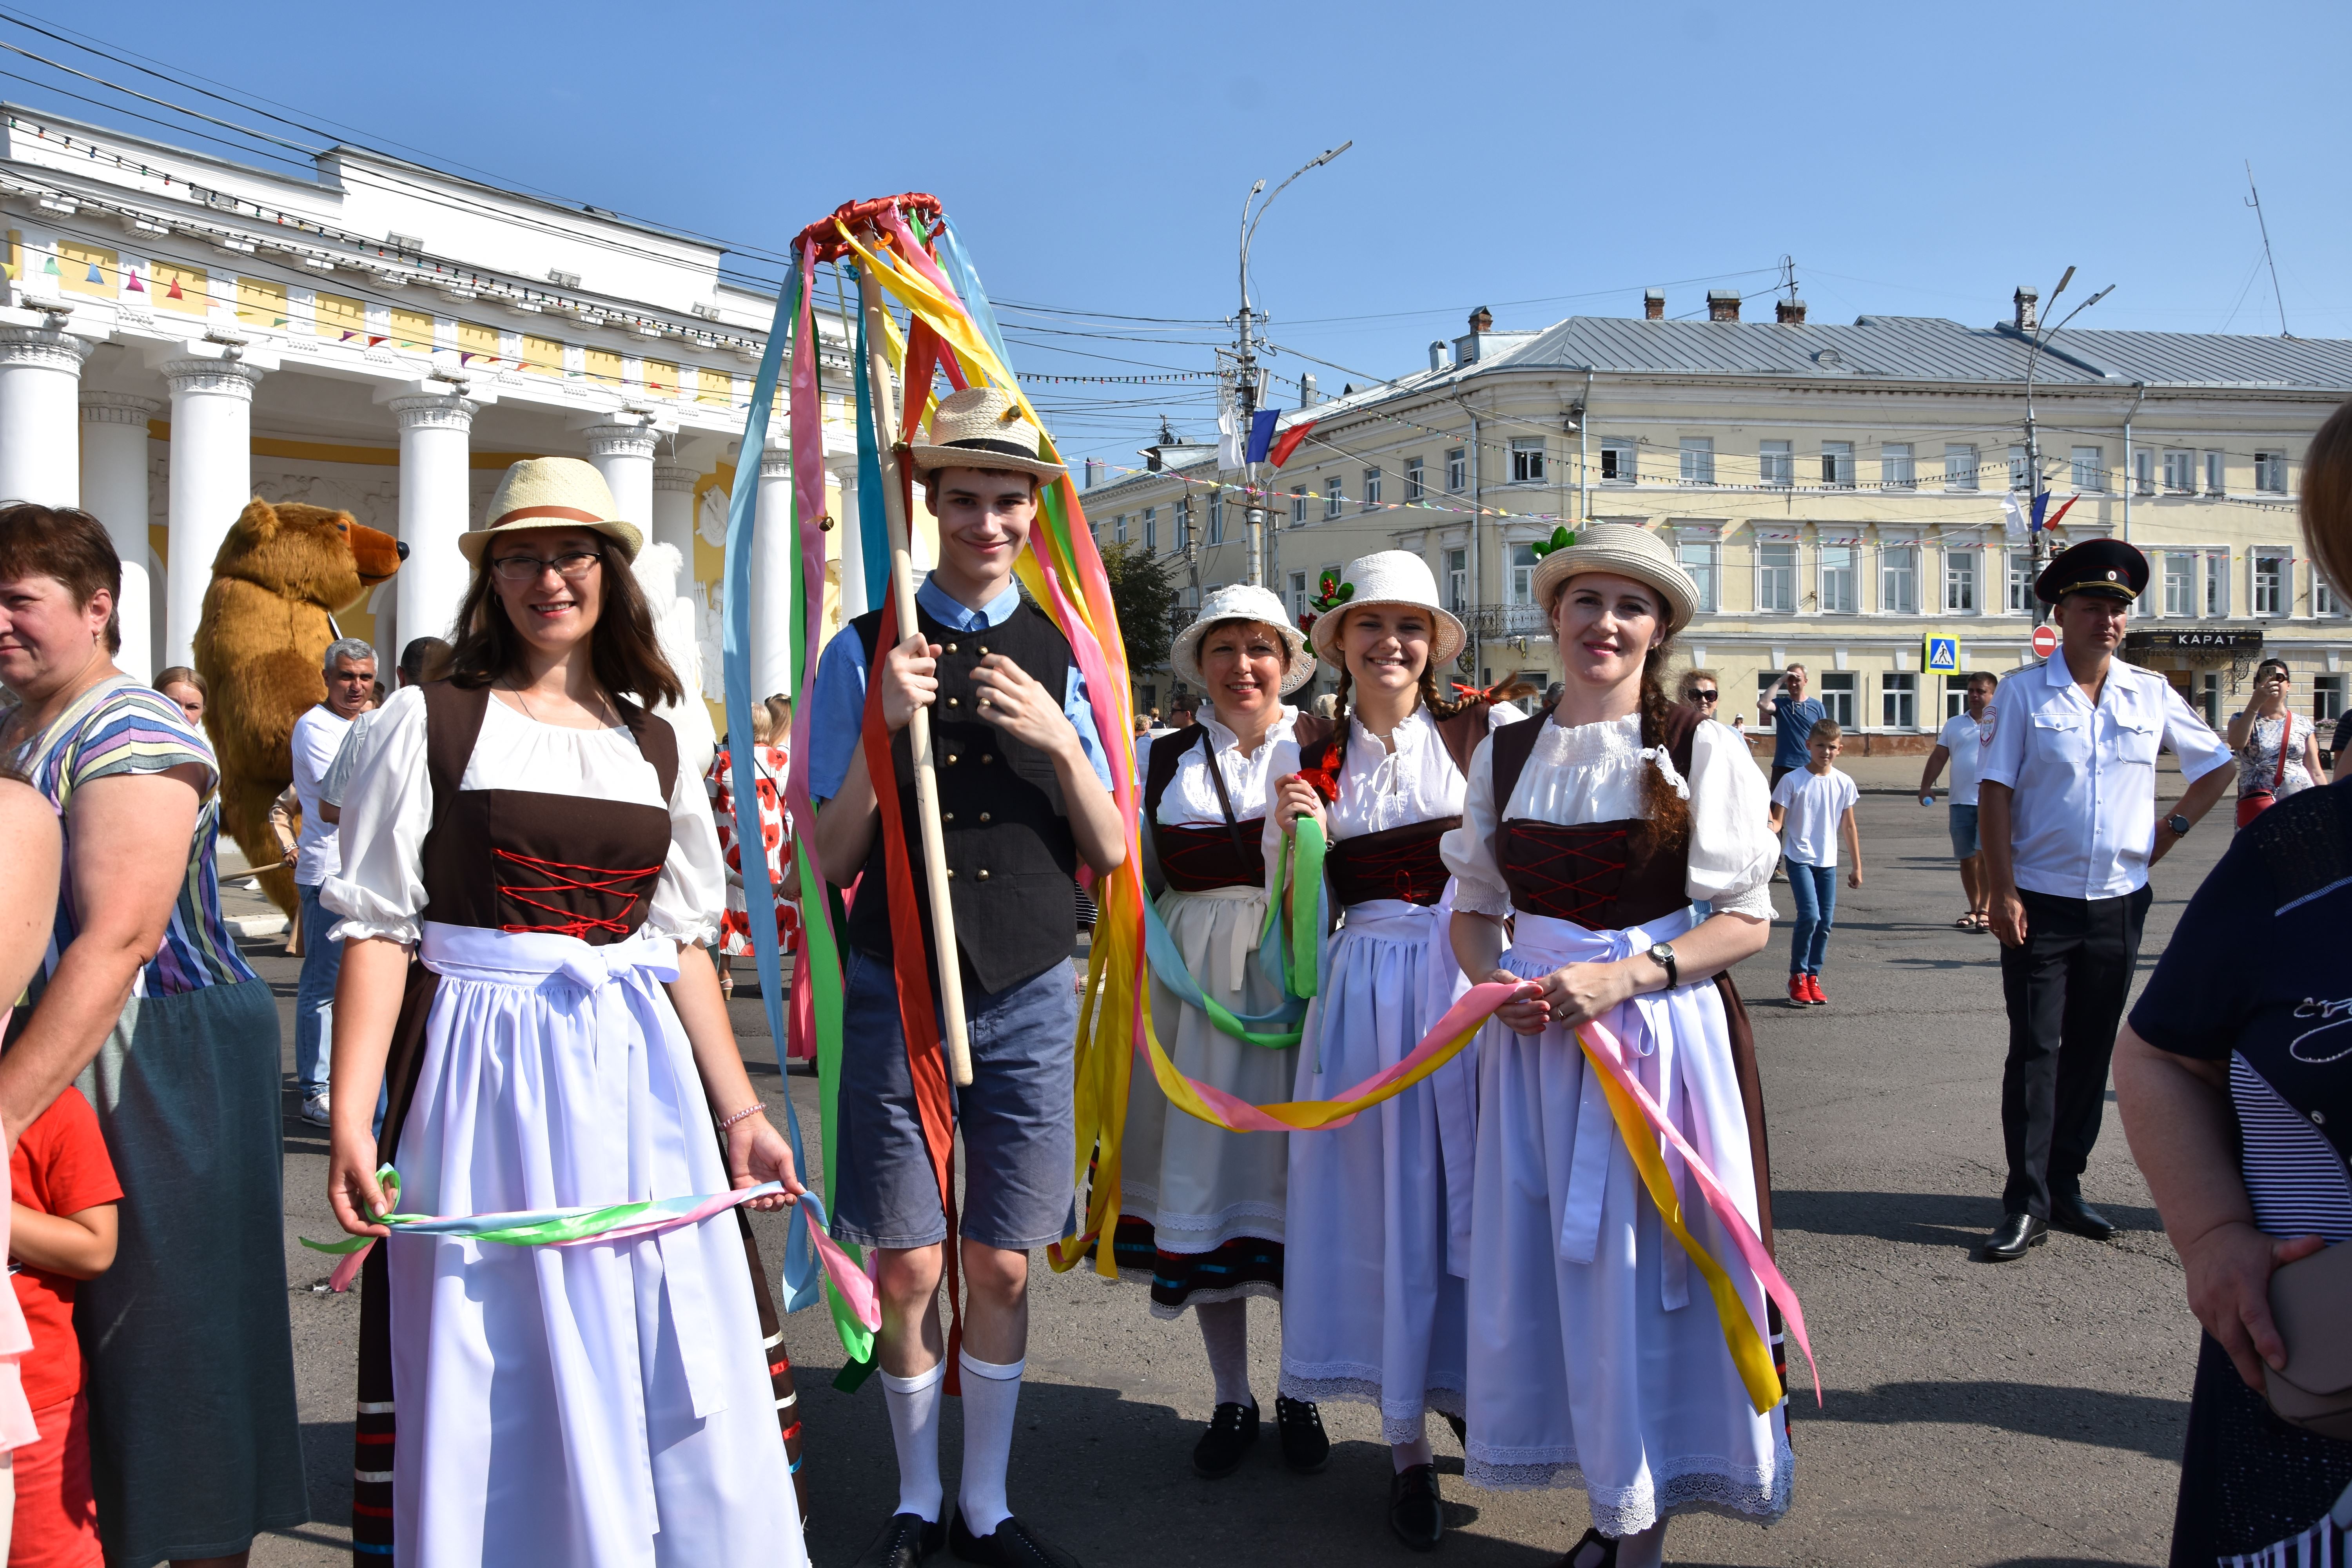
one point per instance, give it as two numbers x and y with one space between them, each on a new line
1241 602
1624 551
552 493
1387 577
983 428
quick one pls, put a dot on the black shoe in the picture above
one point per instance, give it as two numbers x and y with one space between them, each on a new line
904 1542
1305 1447
2072 1214
1013 1544
1232 1431
2015 1233
1416 1512
1595 1551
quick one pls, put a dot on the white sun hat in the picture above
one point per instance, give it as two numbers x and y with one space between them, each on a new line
552 493
1241 602
1624 551
1387 577
982 427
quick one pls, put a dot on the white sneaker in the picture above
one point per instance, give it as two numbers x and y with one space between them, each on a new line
314 1110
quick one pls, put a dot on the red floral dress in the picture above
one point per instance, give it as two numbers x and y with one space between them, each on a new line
769 764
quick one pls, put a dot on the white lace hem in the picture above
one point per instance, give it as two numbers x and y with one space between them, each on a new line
1692 1484
1243 1292
1196 1233
1400 1422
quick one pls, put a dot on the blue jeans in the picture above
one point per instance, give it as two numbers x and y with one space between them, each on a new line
314 996
1815 889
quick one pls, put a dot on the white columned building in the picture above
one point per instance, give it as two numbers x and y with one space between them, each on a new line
673 515
40 376
623 453
114 491
212 481
772 575
855 597
435 432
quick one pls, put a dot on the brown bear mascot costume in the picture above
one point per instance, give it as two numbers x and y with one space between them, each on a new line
281 575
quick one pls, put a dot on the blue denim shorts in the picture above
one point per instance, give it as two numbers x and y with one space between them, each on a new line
1016 1118
1964 832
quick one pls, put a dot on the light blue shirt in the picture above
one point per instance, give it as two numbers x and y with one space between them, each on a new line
839 691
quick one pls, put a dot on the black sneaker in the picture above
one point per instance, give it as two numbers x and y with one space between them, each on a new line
1595 1551
904 1542
1232 1432
1416 1512
1011 1544
1305 1447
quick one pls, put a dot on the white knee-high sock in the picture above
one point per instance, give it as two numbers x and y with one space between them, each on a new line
1405 1456
1646 1550
992 1398
1224 1332
914 1406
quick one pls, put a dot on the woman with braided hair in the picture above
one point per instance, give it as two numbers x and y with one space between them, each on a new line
1597 1357
1380 1209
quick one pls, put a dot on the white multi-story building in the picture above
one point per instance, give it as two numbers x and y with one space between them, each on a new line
182 333
1837 491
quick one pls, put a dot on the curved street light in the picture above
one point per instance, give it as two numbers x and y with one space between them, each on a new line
2040 544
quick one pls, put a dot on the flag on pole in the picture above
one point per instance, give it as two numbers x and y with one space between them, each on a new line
1287 443
1229 438
2014 526
1261 433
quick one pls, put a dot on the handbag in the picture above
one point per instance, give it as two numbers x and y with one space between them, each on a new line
2255 801
2314 1390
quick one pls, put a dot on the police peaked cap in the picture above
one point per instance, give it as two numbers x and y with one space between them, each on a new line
2108 566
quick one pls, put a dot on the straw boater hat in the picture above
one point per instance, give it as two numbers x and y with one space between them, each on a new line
983 428
1388 577
1624 551
552 493
1241 602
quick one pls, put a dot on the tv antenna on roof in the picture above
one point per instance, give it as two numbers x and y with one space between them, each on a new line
1789 277
2255 201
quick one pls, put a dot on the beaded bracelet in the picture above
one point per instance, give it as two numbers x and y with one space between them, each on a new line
752 1110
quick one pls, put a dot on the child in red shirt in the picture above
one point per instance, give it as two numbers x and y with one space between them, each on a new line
61 1231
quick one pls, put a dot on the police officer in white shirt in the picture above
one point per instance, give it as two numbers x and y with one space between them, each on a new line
2068 817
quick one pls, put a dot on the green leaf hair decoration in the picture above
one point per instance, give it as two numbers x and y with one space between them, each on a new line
1335 594
1561 540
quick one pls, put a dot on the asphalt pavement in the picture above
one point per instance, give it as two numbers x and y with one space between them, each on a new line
2024 1415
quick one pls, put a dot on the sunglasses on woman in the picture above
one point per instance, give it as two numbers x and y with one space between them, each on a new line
1704 694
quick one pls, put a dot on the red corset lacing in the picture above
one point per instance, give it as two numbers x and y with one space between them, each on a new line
1565 873
562 877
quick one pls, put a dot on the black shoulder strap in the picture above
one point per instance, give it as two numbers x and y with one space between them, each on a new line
659 742
1311 730
1514 744
453 722
1463 731
1682 733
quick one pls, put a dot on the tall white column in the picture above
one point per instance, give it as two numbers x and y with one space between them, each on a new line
673 515
624 454
435 434
212 480
772 577
40 376
114 491
853 594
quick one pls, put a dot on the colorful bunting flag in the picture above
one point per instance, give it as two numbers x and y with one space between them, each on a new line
176 292
131 282
95 274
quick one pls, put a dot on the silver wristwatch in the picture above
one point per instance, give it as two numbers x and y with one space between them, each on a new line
1663 957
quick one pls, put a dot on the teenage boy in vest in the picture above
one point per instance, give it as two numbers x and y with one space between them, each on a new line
1025 792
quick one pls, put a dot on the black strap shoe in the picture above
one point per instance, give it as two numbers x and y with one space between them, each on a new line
1416 1512
904 1542
2015 1233
1013 1544
1595 1551
2072 1214
1233 1430
1305 1446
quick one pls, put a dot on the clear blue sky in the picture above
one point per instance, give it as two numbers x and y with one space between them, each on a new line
1547 160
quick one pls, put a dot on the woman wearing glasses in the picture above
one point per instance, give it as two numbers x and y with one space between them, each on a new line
1703 689
525 828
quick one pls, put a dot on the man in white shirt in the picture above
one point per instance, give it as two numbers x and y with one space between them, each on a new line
1961 742
419 655
350 670
2067 805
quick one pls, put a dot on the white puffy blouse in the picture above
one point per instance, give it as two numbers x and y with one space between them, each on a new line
1382 788
1593 772
388 809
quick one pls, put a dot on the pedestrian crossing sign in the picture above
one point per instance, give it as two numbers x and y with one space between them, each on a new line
1941 655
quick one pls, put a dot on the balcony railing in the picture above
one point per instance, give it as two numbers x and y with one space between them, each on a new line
1507 621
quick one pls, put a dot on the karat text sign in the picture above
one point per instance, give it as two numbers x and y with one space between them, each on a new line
1940 656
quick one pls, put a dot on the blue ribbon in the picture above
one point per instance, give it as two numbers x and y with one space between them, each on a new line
872 537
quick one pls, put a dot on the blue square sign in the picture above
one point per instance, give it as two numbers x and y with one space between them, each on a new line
1941 655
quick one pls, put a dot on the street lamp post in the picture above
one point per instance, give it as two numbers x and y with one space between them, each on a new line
1245 360
2038 543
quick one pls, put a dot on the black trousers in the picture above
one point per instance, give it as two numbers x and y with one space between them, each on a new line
2065 989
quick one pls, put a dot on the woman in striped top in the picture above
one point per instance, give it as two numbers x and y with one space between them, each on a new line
144 1001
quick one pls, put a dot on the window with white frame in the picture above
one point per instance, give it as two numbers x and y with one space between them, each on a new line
1119 529
2327 699
1523 574
2180 469
1457 470
1956 696
1372 489
1961 579
1414 488
1335 497
1298 506
1526 459
2324 600
1775 463
1216 517
1297 594
1457 580
2022 601
2216 585
1699 459
1697 558
1897 470
1776 579
1838 569
1151 528
1898 700
1959 467
2143 471
1837 697
2090 467
2020 470
1898 579
1184 522
1619 466
2270 473
1837 465
2179 582
2217 474
2274 576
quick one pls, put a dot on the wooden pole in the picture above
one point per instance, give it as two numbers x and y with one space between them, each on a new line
918 729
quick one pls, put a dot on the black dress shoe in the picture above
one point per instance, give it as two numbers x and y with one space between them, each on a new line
1595 1551
1233 1430
1305 1446
2015 1233
904 1542
1416 1512
1013 1544
2072 1214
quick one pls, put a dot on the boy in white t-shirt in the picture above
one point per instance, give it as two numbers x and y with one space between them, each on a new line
1810 809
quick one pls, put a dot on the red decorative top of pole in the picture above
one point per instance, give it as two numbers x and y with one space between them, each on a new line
823 240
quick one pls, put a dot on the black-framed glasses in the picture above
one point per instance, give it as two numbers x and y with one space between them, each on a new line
572 566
